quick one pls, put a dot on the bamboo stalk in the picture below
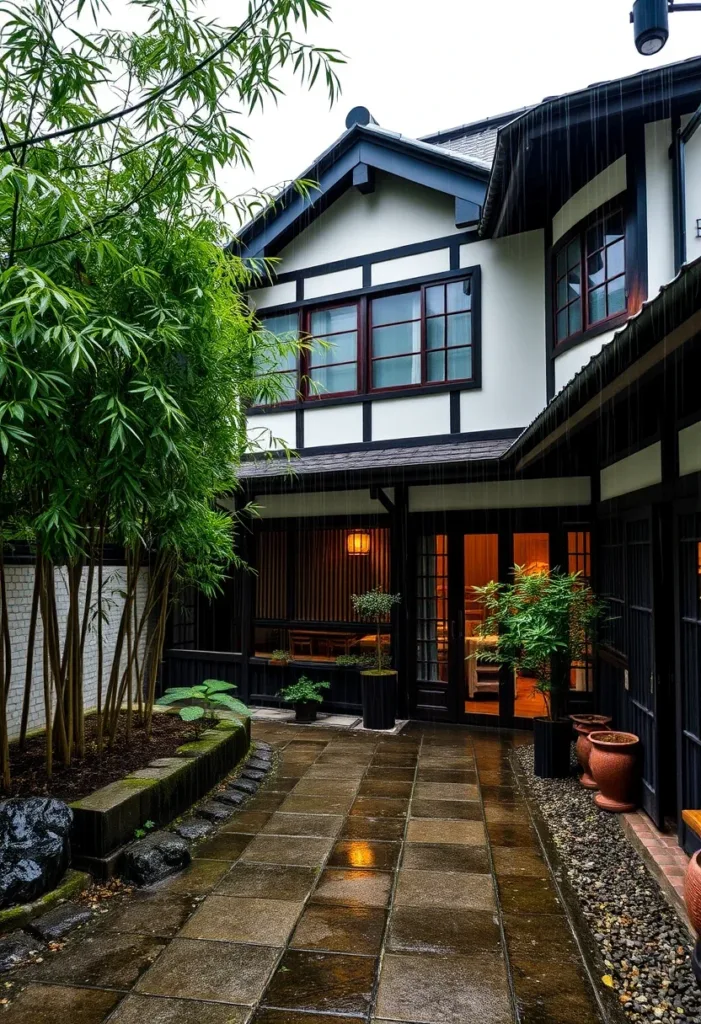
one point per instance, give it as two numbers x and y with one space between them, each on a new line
29 669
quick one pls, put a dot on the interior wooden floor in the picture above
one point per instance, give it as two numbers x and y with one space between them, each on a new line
528 703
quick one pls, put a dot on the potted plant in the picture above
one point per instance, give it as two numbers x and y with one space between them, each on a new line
280 658
379 682
614 765
583 725
305 696
543 622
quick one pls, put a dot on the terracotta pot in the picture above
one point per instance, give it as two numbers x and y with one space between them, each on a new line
613 762
583 725
692 891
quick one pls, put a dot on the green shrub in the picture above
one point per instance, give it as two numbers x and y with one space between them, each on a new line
304 691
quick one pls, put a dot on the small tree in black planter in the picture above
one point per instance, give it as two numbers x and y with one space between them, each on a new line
305 696
379 682
544 622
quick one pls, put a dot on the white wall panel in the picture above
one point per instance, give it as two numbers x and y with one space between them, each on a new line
332 284
693 195
338 424
501 494
609 183
265 432
397 213
320 503
660 215
275 295
643 469
410 417
690 449
422 264
572 361
513 388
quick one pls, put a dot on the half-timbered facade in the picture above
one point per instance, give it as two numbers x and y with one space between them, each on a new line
481 297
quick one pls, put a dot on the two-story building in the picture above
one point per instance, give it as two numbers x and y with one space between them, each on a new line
475 404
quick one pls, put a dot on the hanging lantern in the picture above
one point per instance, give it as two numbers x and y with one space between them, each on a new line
358 542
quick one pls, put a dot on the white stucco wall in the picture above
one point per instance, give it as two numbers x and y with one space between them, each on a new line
660 214
267 431
410 417
321 503
549 492
604 186
396 213
513 332
642 469
20 585
337 424
572 361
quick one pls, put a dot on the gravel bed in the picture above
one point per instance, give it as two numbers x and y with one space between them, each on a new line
644 945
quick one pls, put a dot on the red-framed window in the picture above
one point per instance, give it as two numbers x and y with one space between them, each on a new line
404 338
590 276
280 364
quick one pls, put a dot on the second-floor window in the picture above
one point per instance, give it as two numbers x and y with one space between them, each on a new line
408 338
590 276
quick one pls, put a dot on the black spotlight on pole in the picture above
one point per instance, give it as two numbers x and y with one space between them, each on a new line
651 25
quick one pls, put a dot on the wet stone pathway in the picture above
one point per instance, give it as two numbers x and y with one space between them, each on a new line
372 878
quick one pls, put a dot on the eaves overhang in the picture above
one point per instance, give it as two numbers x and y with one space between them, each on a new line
461 177
651 92
663 325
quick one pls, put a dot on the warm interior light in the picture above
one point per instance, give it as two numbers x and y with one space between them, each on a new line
358 542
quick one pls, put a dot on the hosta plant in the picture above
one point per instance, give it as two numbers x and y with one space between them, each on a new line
212 695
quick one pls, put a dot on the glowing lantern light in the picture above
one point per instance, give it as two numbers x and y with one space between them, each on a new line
358 542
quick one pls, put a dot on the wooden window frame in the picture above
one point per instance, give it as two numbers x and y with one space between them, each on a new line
579 232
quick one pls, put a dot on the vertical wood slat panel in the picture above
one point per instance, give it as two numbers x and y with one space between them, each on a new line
327 575
271 565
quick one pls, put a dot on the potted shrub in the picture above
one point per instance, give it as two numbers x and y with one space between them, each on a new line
379 682
614 765
280 658
305 697
543 622
583 725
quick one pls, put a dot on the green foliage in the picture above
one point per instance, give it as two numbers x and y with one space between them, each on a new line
304 691
281 656
376 606
544 622
212 695
139 833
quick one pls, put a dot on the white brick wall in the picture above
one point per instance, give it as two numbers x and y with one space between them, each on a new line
20 586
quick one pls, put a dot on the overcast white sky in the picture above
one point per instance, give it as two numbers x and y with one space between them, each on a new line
423 65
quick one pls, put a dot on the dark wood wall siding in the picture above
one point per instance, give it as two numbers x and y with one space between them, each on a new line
689 667
326 575
271 582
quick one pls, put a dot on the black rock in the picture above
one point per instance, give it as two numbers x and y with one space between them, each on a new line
259 764
16 947
260 747
155 857
34 847
245 785
253 773
60 921
195 828
233 797
214 811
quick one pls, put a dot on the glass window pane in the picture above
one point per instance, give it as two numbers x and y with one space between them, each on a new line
561 299
435 300
575 321
390 373
595 269
460 329
459 297
617 295
574 284
615 259
332 321
459 363
561 263
394 308
435 366
573 253
597 304
340 349
614 226
287 323
335 378
595 237
562 328
288 382
435 332
395 340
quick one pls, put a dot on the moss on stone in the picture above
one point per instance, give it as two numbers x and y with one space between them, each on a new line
70 885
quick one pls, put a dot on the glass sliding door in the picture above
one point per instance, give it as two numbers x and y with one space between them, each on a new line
433 690
532 552
481 677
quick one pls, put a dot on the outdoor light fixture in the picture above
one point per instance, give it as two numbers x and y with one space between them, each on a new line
650 20
358 542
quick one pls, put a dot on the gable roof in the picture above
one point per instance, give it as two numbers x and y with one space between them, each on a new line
478 139
456 174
